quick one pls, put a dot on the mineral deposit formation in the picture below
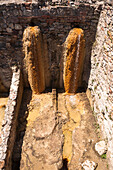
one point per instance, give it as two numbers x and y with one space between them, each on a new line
74 58
32 43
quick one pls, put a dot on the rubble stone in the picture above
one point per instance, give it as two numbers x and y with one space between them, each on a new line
89 165
101 147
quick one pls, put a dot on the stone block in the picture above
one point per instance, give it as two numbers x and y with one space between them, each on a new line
100 147
18 27
89 165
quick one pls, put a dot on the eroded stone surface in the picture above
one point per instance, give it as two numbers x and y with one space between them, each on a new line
43 140
34 61
45 123
79 132
73 60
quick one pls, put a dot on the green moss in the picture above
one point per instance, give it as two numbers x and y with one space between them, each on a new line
103 156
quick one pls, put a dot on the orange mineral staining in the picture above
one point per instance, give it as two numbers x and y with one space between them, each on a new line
73 60
32 45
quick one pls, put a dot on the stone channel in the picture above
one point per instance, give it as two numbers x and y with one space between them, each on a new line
55 131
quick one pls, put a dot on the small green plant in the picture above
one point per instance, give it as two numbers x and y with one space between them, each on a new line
93 109
93 81
98 136
95 87
97 126
106 109
103 156
97 64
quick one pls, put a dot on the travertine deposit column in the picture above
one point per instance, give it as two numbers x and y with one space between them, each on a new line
73 60
34 61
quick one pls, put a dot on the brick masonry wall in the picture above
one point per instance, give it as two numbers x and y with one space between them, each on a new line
55 23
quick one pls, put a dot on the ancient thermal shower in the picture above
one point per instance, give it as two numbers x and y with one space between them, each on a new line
74 51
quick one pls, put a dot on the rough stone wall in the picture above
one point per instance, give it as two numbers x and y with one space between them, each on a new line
58 2
101 77
8 131
55 23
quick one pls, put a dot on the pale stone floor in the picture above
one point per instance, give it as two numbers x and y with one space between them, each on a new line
50 132
3 103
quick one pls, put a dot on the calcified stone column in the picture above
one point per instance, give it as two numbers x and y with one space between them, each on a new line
73 60
34 61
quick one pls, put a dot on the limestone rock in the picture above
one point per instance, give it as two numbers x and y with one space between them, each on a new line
100 147
89 165
73 60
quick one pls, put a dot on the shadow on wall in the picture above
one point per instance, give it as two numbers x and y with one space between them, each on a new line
90 28
55 30
21 128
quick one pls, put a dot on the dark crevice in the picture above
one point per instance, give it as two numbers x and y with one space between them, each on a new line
81 89
56 100
65 165
21 129
47 90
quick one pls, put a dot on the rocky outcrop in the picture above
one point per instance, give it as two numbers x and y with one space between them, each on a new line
73 60
34 61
